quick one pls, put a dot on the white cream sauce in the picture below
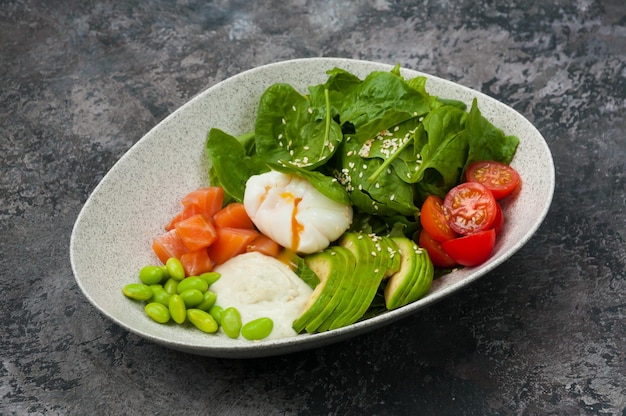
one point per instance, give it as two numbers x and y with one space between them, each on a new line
260 286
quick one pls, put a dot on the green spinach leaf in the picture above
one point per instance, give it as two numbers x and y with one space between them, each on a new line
231 165
327 185
487 142
290 127
380 102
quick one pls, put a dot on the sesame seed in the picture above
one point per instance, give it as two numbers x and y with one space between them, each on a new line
293 108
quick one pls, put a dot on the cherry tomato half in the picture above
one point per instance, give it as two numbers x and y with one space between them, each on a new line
470 208
471 250
434 221
433 247
498 222
499 178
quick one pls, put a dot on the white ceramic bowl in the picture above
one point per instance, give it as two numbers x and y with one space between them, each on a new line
111 238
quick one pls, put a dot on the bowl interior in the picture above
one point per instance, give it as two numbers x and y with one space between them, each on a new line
112 235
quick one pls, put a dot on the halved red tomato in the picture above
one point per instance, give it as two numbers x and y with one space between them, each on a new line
433 247
433 219
498 222
470 208
473 249
499 178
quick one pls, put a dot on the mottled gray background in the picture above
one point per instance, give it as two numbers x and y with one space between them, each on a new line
80 82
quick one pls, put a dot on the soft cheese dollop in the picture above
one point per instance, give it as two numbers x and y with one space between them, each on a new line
290 211
260 286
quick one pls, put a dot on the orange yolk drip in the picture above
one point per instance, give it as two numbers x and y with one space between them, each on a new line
296 227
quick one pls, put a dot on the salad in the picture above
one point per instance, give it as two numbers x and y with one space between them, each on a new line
367 189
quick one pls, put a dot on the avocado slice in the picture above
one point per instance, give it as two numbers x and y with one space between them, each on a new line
364 279
346 281
414 277
422 284
373 262
324 265
393 255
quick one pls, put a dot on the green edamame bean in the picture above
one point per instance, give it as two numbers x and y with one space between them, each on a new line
137 291
159 295
192 297
175 268
192 283
158 312
208 300
178 310
231 322
210 277
257 329
202 320
216 312
171 286
151 275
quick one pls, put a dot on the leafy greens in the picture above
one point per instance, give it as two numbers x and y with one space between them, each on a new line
382 144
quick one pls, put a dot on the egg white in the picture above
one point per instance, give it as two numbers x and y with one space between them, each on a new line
290 211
